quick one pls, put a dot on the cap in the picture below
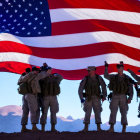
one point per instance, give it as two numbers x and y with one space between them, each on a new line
119 65
91 68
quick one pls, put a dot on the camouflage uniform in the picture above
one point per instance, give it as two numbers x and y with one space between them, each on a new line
40 76
50 99
30 99
119 100
94 102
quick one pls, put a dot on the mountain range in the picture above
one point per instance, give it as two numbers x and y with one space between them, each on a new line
10 117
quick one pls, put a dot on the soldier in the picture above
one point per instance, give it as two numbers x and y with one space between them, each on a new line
137 78
30 100
91 84
25 111
50 89
40 76
120 86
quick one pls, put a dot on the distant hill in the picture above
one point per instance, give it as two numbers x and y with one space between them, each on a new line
10 117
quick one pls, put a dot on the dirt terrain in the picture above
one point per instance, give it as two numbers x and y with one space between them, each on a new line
70 136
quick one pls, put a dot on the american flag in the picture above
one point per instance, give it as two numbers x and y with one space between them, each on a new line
69 35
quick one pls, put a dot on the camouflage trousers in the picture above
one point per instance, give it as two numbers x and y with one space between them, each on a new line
95 104
29 105
52 103
118 102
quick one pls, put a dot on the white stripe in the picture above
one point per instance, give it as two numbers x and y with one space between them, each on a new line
69 64
75 39
71 14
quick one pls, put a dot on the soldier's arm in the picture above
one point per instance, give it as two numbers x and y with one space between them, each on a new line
107 75
20 80
130 90
81 88
103 86
59 78
134 75
26 77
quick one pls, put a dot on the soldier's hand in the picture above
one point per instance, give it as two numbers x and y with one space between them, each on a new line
103 99
82 100
128 70
138 82
106 64
128 101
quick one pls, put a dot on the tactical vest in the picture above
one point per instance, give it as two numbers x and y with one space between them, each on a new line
119 86
92 87
50 86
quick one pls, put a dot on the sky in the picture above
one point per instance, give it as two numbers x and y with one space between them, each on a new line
69 102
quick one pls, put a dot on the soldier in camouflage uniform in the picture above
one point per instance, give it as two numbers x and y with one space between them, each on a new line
91 84
30 100
120 86
50 89
25 111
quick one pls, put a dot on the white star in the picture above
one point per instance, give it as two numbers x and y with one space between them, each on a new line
7 0
19 5
18 24
39 33
23 0
34 28
41 3
3 26
42 13
15 20
25 19
36 8
45 27
26 10
30 4
20 15
7 11
40 23
1 15
4 20
31 14
23 28
13 28
17 32
11 16
9 24
29 23
16 11
36 18
28 33
0 4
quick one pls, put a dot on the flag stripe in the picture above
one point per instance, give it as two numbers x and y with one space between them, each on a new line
78 39
17 67
60 53
70 27
60 15
123 5
67 64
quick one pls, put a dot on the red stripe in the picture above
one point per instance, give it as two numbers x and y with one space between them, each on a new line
19 68
70 27
123 5
72 52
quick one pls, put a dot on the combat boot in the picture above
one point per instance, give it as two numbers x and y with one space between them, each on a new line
111 128
53 128
43 127
24 129
124 129
98 127
34 128
85 128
